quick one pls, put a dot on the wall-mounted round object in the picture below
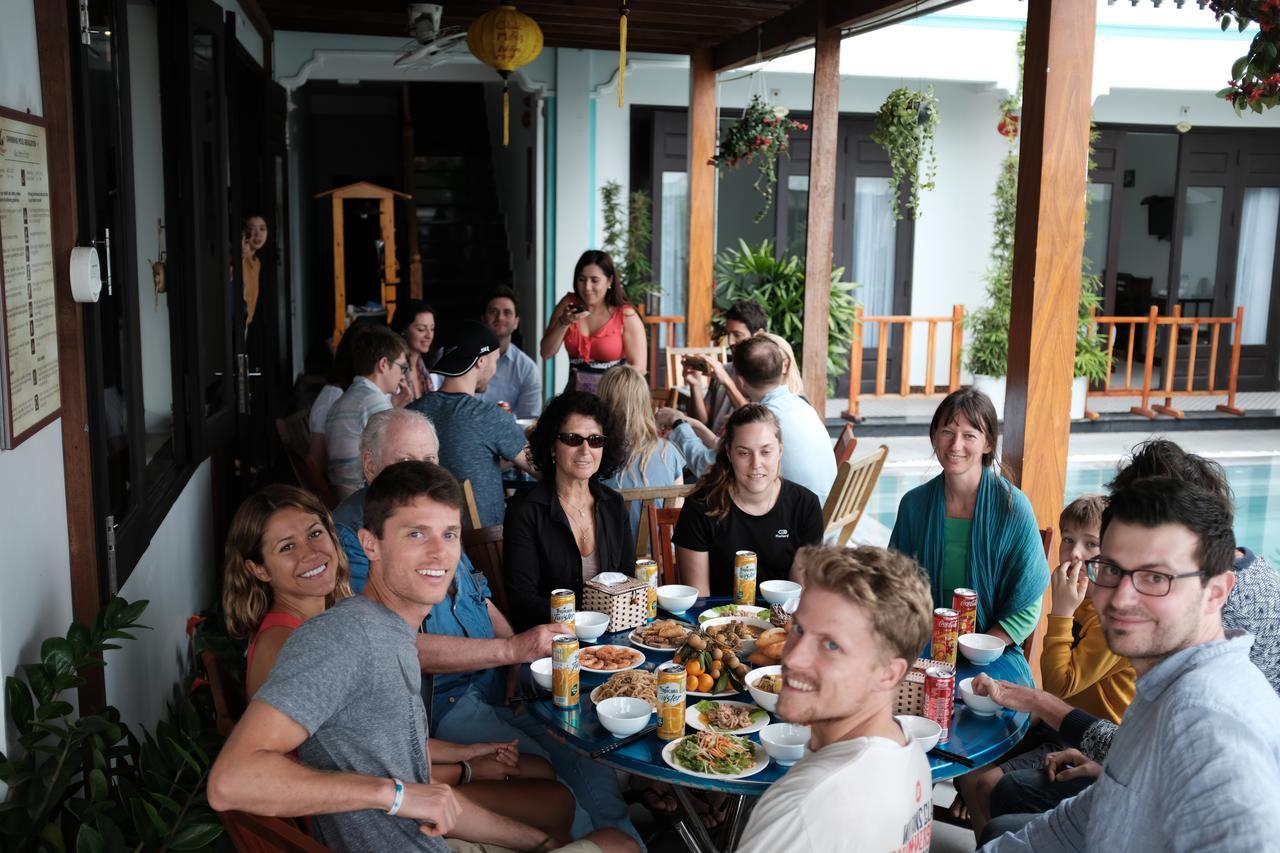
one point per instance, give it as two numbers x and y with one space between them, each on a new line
86 274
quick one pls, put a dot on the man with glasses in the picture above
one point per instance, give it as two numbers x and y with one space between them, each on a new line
1195 764
477 435
379 362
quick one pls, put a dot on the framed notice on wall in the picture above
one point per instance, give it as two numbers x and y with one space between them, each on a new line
29 393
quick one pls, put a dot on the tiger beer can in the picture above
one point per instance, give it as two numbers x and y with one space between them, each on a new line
671 685
744 577
647 571
563 608
564 672
940 697
946 635
965 602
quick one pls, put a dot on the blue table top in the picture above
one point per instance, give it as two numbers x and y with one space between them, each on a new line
982 739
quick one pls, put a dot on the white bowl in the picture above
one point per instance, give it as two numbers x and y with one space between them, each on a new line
981 649
779 592
765 699
676 597
624 715
922 730
589 625
786 743
983 706
542 672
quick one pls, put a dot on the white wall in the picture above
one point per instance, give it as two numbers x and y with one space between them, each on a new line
19 66
575 168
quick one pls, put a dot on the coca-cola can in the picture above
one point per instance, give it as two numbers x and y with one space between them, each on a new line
940 697
965 602
946 635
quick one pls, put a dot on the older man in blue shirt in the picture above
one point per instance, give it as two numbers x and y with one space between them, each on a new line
1195 763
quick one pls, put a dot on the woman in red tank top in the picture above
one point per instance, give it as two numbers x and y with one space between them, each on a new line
597 326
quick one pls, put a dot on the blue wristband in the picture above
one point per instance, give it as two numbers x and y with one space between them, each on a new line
399 798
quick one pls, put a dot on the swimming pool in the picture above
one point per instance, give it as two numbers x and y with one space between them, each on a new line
1255 481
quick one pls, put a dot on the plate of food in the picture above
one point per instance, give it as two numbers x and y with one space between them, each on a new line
633 683
741 611
712 755
735 633
665 635
739 718
604 660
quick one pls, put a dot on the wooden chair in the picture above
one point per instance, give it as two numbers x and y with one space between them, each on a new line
662 522
250 833
646 496
484 548
308 478
664 397
855 481
845 445
675 373
228 698
472 513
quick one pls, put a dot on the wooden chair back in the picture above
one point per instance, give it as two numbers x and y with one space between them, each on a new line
845 445
250 833
671 496
855 481
664 397
228 698
662 522
471 513
675 373
308 478
484 548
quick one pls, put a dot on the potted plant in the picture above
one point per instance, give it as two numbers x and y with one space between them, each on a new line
904 127
763 132
627 237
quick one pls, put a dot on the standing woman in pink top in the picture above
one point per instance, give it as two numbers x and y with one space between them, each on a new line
597 326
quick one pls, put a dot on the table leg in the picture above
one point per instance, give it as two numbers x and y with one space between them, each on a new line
686 836
737 821
692 823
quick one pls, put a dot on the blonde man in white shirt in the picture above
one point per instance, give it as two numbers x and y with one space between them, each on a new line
865 785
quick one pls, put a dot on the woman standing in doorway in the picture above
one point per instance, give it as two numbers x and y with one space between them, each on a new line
253 236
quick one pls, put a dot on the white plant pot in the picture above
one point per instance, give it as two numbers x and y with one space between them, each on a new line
993 387
1079 393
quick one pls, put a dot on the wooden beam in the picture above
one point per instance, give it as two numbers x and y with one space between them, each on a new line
702 197
1048 246
822 209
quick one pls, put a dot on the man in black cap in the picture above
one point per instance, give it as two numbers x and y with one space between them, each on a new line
475 436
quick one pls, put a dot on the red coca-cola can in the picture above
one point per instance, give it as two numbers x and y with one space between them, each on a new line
965 602
946 634
940 697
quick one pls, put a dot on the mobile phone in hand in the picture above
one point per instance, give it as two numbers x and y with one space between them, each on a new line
698 363
577 308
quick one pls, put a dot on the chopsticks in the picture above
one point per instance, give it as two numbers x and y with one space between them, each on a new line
621 742
951 756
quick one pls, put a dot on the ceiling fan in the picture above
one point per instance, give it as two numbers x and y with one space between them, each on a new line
430 42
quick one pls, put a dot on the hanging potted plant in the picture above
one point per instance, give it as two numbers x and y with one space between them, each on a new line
762 133
904 127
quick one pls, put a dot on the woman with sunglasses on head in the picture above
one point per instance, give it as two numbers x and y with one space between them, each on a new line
569 527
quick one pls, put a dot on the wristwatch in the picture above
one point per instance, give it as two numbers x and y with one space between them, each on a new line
676 423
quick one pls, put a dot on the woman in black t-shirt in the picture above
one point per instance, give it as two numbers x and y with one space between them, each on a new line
742 504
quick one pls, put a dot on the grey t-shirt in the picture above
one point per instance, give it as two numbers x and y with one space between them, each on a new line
350 677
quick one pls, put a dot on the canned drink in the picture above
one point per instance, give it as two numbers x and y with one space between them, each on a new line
940 697
564 671
744 577
563 608
671 685
946 633
647 571
965 602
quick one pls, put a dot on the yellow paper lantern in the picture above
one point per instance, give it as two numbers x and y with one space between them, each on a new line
505 39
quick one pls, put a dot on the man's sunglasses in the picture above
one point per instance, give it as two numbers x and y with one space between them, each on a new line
572 439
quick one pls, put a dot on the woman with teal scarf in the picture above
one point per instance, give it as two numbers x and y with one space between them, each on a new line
969 527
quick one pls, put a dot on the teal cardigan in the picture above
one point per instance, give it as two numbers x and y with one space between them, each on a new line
1006 566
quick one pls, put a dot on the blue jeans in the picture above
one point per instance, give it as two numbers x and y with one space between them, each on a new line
1021 796
594 785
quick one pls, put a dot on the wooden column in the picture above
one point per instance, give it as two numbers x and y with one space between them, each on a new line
702 197
1048 244
822 210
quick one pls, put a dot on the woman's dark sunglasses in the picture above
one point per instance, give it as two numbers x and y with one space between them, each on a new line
572 439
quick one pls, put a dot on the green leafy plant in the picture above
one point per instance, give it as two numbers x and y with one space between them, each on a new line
86 782
762 132
1255 77
904 128
777 284
627 237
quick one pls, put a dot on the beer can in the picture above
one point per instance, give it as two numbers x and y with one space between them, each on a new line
671 685
647 571
965 602
946 633
563 608
940 697
744 578
564 671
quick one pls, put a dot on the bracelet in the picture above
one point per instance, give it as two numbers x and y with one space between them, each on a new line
466 774
399 798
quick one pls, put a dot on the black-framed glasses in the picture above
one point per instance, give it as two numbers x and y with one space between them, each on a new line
403 365
1107 574
572 439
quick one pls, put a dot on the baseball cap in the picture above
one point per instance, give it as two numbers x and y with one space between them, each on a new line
462 347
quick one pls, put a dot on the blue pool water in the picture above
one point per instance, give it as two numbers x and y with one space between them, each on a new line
1256 483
